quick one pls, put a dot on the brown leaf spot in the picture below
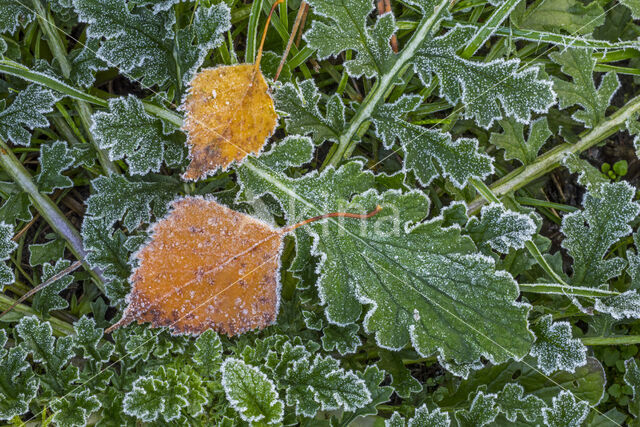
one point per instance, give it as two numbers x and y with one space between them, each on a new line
189 274
229 114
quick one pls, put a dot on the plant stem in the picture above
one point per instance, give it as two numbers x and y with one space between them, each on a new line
49 211
386 80
550 160
60 327
489 27
615 340
554 288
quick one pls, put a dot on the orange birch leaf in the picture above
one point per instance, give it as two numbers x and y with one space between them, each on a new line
208 266
229 115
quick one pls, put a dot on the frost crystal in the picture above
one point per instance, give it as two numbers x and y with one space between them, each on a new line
555 348
482 87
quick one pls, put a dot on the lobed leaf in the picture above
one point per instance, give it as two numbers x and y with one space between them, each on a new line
13 15
15 371
7 246
28 111
513 142
501 229
55 158
555 348
566 411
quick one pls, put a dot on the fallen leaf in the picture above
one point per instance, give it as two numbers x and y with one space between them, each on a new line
208 266
229 115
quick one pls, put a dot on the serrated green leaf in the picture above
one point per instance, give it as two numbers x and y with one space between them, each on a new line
45 252
55 158
424 417
128 132
85 63
589 233
16 208
632 379
588 175
344 27
145 45
625 305
145 400
513 142
426 279
13 15
404 384
47 299
132 201
74 410
555 347
322 384
18 386
570 16
634 7
460 160
483 411
511 400
303 116
105 248
373 377
581 90
344 340
251 393
480 85
209 352
501 229
88 339
566 411
7 246
27 110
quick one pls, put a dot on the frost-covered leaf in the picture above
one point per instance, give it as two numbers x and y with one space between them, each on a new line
591 232
483 411
105 248
480 85
570 16
588 175
566 411
581 90
126 131
145 45
424 417
511 400
85 63
344 340
303 116
251 393
14 14
216 248
55 158
501 229
131 201
373 377
404 384
45 252
632 379
209 352
634 7
345 27
423 147
229 114
625 305
442 295
164 394
7 246
28 111
513 142
633 127
16 208
88 339
15 371
74 410
555 348
322 384
47 299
